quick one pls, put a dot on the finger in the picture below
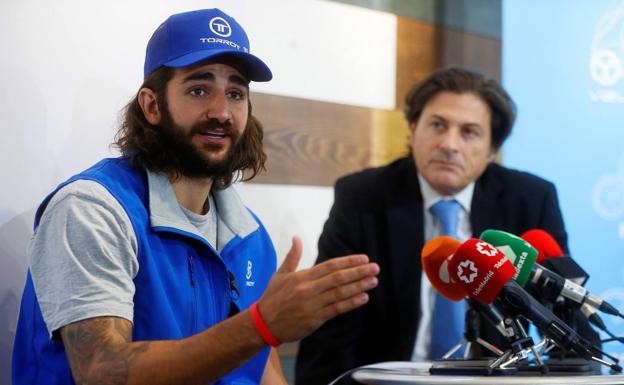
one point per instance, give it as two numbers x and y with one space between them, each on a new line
337 308
343 277
293 257
343 292
336 264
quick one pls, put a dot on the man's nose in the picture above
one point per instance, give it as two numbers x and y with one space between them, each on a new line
219 108
450 140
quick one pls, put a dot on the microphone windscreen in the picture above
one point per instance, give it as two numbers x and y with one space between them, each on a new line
516 249
546 245
435 256
480 269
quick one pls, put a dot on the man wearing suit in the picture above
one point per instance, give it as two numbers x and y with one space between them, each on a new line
458 121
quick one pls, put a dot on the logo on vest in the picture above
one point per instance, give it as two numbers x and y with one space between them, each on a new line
249 274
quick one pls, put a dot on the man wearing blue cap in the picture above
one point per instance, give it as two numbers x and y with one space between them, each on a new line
147 268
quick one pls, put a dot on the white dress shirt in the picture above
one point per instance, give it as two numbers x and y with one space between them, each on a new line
432 230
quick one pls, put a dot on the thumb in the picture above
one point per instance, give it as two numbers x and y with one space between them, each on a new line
292 258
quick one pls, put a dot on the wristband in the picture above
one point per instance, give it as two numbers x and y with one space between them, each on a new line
261 326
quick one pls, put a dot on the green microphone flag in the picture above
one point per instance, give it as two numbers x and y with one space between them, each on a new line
516 249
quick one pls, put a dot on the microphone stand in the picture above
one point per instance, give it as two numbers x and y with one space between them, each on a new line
548 344
472 326
520 348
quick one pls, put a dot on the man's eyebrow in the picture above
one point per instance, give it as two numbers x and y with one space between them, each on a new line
239 80
236 79
436 116
198 76
463 124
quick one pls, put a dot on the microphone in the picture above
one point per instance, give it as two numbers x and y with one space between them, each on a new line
435 257
487 275
544 243
551 255
594 318
517 250
551 285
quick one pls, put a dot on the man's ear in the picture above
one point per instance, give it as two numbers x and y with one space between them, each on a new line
410 131
494 155
149 104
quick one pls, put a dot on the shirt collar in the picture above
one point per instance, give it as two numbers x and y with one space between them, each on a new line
431 196
165 210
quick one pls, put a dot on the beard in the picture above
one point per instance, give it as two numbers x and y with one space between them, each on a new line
189 160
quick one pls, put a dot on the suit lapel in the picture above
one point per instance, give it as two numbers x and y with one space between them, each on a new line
406 238
485 211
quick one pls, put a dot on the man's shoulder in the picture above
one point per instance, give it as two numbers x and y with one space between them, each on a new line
509 177
378 178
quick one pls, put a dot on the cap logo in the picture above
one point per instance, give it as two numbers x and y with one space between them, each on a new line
220 27
466 271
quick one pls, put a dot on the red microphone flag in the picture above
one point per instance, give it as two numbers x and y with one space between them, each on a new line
480 269
546 245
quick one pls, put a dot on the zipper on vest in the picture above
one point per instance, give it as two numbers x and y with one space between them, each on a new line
191 272
192 276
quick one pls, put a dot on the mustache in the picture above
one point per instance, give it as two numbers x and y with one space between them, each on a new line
210 125
448 157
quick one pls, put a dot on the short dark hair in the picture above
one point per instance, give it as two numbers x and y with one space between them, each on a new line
146 146
460 80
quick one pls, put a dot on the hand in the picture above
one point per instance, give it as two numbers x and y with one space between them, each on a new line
298 302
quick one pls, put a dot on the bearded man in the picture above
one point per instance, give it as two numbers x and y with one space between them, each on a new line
148 268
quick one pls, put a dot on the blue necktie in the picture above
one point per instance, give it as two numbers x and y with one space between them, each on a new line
447 321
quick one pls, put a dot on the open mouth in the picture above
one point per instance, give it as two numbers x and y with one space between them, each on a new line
213 134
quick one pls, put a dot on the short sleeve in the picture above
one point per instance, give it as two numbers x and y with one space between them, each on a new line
83 256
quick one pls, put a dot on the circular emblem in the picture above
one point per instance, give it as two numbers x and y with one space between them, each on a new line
608 197
220 27
605 67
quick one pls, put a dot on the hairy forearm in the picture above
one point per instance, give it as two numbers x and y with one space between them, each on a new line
101 352
295 303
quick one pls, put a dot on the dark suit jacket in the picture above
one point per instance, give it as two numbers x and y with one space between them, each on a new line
379 212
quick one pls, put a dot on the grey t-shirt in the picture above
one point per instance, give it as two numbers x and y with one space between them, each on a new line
83 255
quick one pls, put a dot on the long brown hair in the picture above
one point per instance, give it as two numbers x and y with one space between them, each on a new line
143 143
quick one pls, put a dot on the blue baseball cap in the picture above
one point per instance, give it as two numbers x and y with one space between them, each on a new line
188 38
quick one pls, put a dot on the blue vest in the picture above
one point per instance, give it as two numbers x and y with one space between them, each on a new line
183 285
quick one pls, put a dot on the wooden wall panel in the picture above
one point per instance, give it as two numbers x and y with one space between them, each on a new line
388 137
470 51
423 48
416 58
310 142
313 143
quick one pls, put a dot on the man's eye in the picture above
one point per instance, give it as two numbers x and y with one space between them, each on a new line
198 92
471 132
236 95
437 125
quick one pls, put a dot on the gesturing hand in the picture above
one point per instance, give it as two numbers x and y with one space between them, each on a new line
298 302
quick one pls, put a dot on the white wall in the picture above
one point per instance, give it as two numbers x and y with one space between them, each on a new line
68 67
